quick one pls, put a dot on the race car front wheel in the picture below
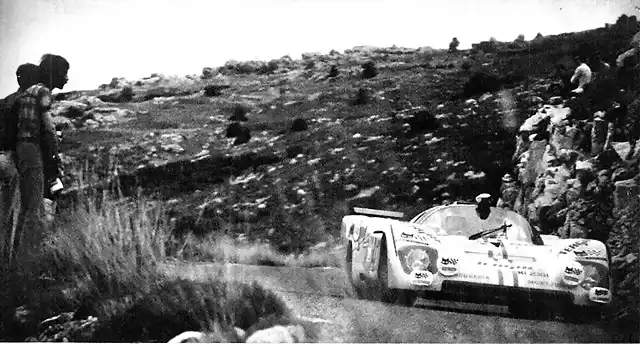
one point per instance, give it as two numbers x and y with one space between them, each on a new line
391 295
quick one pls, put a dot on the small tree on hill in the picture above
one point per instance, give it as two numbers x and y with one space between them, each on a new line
453 46
520 38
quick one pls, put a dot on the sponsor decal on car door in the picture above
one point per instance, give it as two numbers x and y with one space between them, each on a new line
372 254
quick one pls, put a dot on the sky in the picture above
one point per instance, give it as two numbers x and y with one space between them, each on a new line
103 39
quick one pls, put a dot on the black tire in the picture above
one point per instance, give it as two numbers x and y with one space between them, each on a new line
390 295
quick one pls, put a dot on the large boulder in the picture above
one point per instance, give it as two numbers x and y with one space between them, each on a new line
627 194
69 109
119 95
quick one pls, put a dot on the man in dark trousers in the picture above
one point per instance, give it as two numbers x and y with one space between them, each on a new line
34 128
27 75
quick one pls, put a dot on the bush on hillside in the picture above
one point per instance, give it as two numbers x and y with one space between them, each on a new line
271 67
239 113
334 72
481 82
369 70
362 96
214 90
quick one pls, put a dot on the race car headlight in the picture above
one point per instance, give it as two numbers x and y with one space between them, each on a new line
594 276
573 273
417 259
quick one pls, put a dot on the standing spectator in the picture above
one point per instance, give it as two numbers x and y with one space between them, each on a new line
35 126
508 192
453 46
600 68
27 76
582 75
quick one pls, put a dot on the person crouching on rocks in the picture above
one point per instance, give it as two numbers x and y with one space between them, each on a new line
582 75
508 192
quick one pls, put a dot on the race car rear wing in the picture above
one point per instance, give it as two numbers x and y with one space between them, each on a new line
378 212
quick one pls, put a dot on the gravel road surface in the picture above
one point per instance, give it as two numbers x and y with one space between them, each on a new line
323 296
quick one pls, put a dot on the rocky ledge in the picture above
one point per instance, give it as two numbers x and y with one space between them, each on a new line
579 178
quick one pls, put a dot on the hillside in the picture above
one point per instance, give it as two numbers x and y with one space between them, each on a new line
277 152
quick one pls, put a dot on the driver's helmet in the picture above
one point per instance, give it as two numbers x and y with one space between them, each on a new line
483 198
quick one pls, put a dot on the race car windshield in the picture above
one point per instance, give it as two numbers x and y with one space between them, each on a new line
462 220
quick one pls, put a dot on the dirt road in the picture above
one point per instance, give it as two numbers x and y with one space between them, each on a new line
322 295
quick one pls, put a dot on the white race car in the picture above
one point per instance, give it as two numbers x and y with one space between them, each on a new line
452 251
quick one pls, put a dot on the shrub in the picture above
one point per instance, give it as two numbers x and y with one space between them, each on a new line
334 72
214 90
272 66
362 96
239 113
369 70
299 124
244 135
481 82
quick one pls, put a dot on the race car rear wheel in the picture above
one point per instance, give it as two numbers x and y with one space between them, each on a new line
391 295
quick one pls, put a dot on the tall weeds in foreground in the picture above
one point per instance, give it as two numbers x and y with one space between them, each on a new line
101 259
98 250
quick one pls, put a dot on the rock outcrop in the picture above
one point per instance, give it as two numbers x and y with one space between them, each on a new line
577 181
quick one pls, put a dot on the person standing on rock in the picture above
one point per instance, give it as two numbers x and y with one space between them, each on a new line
582 75
27 75
508 192
34 127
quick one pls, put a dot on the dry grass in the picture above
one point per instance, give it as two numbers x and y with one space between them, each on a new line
94 253
227 250
102 259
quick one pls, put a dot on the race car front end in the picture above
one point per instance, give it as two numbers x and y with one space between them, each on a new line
452 268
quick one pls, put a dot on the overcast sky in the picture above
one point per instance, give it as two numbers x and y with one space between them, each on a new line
134 38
